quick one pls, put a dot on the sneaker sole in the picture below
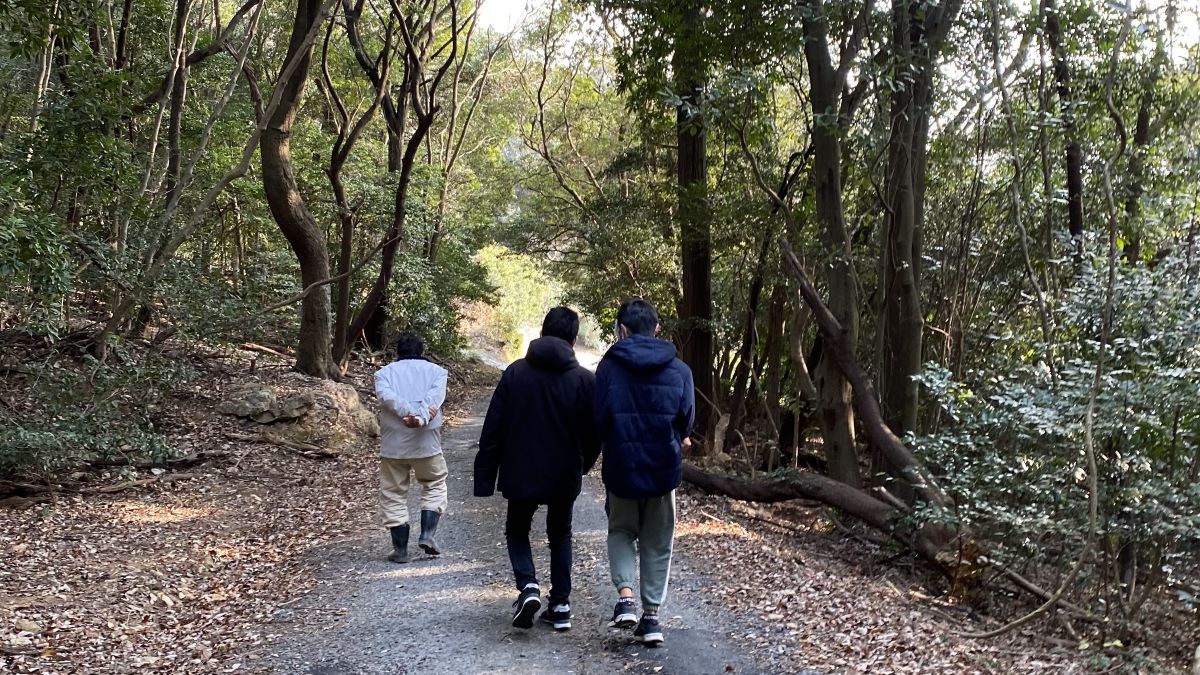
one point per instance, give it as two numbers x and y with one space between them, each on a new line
623 621
431 550
558 625
650 639
524 616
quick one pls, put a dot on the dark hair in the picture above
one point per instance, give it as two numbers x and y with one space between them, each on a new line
409 345
638 316
561 322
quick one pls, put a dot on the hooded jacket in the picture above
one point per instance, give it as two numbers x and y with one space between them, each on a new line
645 407
538 438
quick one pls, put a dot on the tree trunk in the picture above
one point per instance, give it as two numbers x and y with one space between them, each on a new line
1137 159
808 485
835 412
745 356
178 97
377 298
314 355
346 229
773 364
917 36
1074 154
694 218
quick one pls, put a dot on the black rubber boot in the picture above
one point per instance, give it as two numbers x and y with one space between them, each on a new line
399 544
429 523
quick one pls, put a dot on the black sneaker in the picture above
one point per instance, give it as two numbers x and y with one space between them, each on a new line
648 631
624 615
558 616
526 607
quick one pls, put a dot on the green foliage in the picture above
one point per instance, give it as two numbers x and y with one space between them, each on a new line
426 299
89 411
523 294
35 264
1012 442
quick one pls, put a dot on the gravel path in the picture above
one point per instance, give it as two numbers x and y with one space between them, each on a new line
450 615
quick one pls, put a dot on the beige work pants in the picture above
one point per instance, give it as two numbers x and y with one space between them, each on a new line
395 477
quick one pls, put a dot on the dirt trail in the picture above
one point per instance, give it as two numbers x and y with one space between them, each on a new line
451 615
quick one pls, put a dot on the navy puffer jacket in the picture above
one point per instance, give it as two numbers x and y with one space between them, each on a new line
645 407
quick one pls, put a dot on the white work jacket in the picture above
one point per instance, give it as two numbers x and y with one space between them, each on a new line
410 387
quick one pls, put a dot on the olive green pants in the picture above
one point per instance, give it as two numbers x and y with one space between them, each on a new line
641 533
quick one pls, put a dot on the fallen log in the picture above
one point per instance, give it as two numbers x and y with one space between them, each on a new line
866 402
42 494
179 462
262 349
808 485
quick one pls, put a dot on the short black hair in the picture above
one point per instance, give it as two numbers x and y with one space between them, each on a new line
409 344
638 316
561 322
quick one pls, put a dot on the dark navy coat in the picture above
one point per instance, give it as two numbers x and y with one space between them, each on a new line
645 407
537 437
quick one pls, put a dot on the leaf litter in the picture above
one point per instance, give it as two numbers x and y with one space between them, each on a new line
184 576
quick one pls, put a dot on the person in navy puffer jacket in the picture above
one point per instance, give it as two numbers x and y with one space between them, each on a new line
645 407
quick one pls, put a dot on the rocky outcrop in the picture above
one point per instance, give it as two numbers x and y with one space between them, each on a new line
305 409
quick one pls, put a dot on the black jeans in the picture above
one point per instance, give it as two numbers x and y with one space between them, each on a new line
558 531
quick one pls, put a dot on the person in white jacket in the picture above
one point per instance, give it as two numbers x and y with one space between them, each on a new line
411 391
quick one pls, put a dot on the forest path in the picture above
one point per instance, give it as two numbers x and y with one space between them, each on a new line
451 614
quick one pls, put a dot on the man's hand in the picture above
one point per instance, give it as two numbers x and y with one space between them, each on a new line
411 421
433 411
686 444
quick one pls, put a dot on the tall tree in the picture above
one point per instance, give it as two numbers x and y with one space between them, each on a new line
421 29
918 33
831 103
695 229
314 355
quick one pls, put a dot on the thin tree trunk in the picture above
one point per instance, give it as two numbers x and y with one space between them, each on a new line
773 352
178 98
122 52
745 356
917 36
835 411
1074 154
377 297
1137 158
45 66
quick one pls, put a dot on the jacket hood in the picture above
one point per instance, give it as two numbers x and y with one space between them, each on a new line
551 353
642 352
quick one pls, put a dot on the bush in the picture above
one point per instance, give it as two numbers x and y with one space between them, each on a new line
81 412
524 294
1012 450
